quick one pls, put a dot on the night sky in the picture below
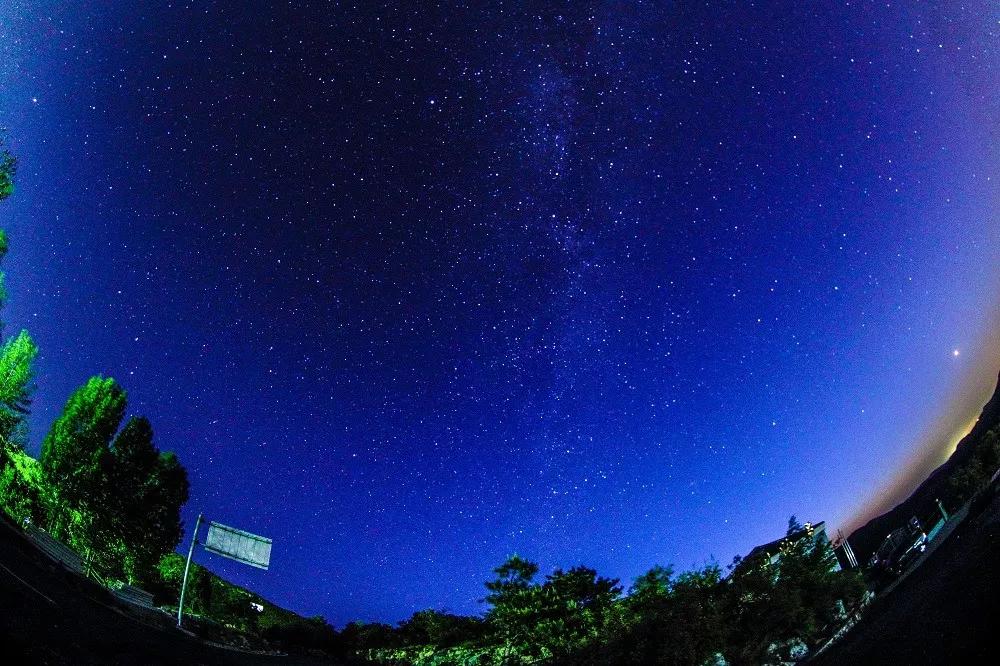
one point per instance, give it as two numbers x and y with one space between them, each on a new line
410 288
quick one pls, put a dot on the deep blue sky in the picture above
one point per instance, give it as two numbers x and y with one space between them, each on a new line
411 288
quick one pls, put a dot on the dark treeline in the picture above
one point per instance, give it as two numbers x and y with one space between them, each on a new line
771 608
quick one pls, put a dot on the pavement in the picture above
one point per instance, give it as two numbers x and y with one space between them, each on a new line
950 525
943 610
52 616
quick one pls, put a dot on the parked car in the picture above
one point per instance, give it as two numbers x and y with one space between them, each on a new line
907 557
900 548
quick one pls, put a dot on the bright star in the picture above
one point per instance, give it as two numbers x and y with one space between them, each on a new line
954 352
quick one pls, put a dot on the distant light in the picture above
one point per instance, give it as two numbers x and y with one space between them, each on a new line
954 352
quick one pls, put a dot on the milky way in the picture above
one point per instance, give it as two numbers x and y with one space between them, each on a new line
409 289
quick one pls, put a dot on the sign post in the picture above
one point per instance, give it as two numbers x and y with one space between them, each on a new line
194 540
229 542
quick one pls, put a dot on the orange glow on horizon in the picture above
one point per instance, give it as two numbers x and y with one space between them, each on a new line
940 439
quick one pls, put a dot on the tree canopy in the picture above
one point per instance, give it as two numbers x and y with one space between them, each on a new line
146 490
74 458
114 494
768 609
8 168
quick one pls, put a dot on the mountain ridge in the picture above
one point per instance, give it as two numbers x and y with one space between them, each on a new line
922 502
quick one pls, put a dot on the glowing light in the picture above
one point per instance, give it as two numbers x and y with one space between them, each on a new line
954 352
957 437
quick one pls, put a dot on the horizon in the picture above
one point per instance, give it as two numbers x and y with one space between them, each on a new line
410 290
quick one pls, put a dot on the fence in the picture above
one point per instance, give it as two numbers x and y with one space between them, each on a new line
55 549
70 559
134 595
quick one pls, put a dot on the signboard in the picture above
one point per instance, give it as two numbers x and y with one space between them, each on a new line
238 545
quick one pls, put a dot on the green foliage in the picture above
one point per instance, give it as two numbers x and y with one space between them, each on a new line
369 637
574 608
75 459
115 498
513 597
21 487
664 620
17 374
431 627
146 490
551 620
8 168
788 596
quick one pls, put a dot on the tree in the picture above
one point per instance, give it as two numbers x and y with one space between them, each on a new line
440 629
786 597
513 597
8 167
21 488
667 620
146 490
116 498
574 607
650 589
554 619
17 357
74 461
3 279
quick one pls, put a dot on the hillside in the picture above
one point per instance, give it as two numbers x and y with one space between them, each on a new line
921 502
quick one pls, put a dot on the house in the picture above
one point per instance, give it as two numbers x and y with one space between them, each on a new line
771 552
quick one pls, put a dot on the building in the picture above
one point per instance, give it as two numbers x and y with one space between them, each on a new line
771 552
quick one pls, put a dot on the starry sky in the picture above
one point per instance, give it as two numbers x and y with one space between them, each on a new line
412 287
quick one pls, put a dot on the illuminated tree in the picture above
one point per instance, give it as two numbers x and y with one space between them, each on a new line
573 609
74 460
17 357
789 598
669 620
513 597
554 619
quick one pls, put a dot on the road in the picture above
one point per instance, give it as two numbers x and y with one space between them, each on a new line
49 616
945 610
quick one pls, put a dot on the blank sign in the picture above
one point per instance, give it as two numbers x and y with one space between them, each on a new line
238 545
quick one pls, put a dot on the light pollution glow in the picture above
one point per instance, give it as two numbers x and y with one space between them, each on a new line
938 441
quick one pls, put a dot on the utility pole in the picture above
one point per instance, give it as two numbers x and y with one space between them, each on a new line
941 507
194 540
